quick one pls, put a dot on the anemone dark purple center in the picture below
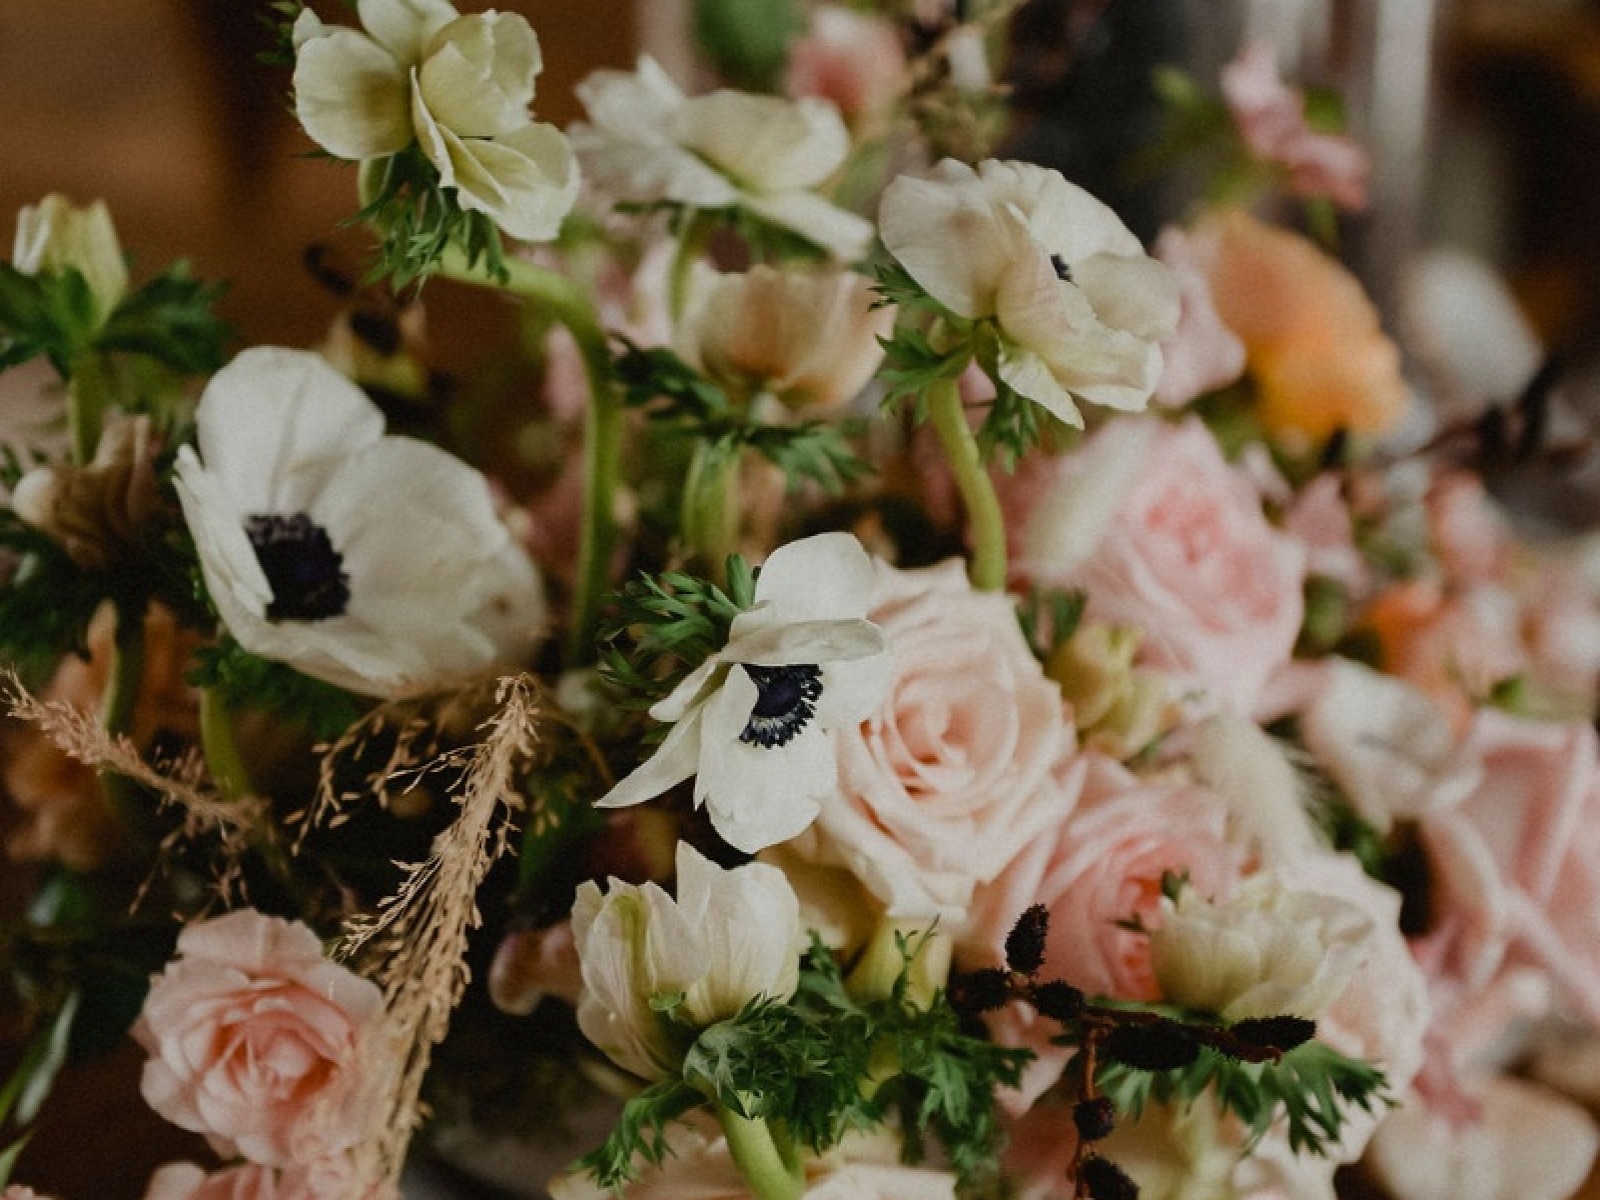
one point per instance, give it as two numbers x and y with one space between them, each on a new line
786 700
304 570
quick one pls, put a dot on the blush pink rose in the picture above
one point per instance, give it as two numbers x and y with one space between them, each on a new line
1093 873
853 59
1271 120
1163 535
1470 534
1204 354
1320 519
256 1040
1517 862
326 1180
966 762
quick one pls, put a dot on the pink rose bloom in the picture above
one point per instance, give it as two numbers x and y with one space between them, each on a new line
1470 535
1100 867
851 58
1204 354
1562 629
258 1041
326 1180
967 761
1517 863
1320 519
1164 535
1271 119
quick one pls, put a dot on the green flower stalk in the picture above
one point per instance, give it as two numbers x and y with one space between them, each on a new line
949 420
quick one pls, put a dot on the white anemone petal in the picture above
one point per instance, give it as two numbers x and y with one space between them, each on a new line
478 77
404 27
844 235
673 762
350 96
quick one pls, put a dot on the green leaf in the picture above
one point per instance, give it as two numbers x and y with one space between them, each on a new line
911 366
52 313
25 1091
171 319
416 218
245 682
659 628
640 1136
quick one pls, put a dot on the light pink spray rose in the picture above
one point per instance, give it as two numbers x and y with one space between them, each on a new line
962 765
325 1180
1518 861
1165 536
1101 866
258 1041
1204 354
852 58
1271 119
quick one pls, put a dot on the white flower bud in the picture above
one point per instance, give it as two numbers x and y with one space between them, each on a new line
56 234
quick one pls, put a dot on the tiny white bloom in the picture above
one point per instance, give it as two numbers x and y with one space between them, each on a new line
1080 308
645 142
729 937
1266 951
460 86
751 722
372 562
56 234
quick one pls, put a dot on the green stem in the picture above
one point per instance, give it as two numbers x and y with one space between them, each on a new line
709 511
603 422
86 402
221 748
125 673
755 1152
988 569
691 245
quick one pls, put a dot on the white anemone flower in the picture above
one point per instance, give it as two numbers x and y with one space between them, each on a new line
460 86
1079 307
646 142
729 937
56 234
372 562
751 723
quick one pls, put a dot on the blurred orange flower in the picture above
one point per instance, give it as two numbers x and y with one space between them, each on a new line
1320 359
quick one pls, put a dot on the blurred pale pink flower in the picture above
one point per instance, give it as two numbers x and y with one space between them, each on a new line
331 1179
1320 518
259 1041
853 59
18 1191
1203 354
1164 535
530 964
1470 534
960 766
1271 119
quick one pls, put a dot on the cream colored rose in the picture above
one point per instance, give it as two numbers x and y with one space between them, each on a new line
56 234
1267 950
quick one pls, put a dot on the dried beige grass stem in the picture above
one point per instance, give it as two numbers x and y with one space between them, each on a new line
414 946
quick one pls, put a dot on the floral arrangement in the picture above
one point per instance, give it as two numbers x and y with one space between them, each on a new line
951 701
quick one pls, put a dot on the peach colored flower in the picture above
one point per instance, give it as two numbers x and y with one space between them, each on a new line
260 1042
1101 866
962 764
64 815
853 59
1271 119
1320 359
1162 534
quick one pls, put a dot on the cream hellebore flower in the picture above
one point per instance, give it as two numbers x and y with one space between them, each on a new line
1269 950
751 722
1079 309
729 937
459 86
807 338
646 142
372 562
56 234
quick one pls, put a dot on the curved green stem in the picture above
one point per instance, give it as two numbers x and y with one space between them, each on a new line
221 748
691 244
770 1174
602 441
121 698
988 569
